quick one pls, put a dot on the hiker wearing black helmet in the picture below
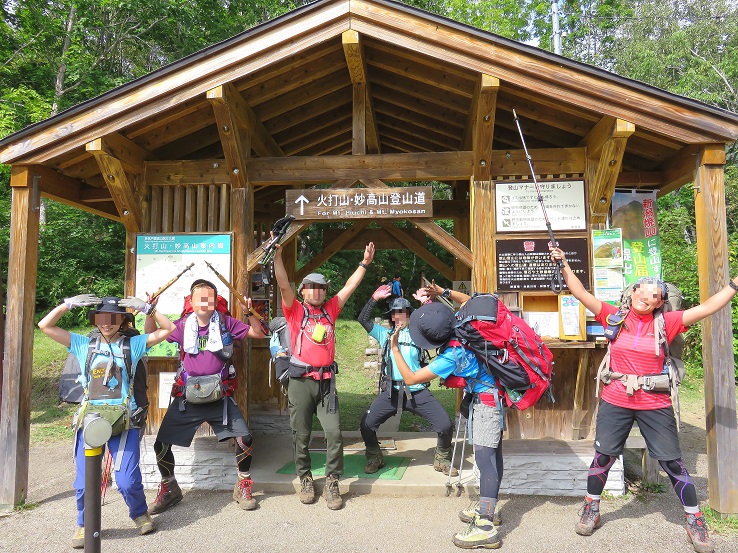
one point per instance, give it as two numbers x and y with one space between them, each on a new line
395 395
432 327
637 359
203 392
108 366
312 371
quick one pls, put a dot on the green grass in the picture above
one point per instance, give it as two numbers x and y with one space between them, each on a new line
724 526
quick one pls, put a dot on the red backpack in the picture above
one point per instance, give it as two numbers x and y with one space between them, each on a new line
507 348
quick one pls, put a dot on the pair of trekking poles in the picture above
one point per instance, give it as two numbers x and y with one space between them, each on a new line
459 485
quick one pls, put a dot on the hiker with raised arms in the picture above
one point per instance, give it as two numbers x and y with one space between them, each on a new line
108 365
432 327
636 358
312 371
395 395
203 392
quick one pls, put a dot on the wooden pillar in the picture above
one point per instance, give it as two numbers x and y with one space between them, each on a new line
462 229
717 333
481 215
15 419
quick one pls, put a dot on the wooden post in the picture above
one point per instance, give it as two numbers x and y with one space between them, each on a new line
15 419
717 332
481 213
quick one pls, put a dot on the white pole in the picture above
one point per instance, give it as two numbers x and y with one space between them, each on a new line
556 29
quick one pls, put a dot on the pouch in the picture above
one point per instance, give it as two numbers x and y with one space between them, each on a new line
658 383
203 389
114 414
466 404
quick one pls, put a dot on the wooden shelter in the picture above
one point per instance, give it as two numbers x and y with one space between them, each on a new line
368 92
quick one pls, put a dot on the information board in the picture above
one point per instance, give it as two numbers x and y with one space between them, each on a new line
360 203
524 264
517 207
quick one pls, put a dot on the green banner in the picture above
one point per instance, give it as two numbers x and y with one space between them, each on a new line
635 214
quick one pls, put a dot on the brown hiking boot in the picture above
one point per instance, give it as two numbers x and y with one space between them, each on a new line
169 494
145 524
374 463
78 540
589 517
697 533
332 494
307 489
242 493
442 461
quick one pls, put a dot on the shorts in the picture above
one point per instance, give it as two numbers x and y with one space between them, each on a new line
486 425
657 426
179 427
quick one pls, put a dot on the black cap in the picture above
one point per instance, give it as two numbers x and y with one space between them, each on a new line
200 282
109 305
432 325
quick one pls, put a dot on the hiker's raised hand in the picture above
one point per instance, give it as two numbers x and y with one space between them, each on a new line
368 253
384 291
433 290
557 255
136 304
422 296
82 300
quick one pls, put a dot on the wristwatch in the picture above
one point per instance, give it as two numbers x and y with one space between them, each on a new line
446 293
733 285
362 264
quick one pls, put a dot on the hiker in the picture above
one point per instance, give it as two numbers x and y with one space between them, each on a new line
108 365
416 398
432 327
203 392
397 291
312 371
634 355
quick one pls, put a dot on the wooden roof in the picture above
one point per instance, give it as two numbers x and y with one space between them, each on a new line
290 83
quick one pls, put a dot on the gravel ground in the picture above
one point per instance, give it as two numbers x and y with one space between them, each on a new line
650 522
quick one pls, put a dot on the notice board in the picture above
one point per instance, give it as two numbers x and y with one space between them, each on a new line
524 264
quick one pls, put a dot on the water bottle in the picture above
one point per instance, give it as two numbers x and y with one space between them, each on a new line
514 395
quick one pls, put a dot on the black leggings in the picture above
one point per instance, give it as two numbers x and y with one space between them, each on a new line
165 457
489 462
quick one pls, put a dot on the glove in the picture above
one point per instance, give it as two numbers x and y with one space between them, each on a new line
136 304
82 300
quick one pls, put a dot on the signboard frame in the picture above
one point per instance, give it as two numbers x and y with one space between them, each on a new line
517 208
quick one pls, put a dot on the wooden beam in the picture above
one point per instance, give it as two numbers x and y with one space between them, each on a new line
481 198
130 154
417 248
640 179
382 239
332 249
234 137
15 413
186 172
121 189
610 145
546 161
481 126
387 167
354 53
358 120
717 332
680 168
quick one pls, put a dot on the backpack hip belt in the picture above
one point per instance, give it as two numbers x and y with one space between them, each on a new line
655 383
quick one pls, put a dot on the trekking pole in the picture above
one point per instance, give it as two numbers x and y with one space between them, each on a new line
163 289
453 456
242 299
557 279
459 486
270 247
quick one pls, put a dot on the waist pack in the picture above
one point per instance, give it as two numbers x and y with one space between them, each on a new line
114 414
507 348
203 389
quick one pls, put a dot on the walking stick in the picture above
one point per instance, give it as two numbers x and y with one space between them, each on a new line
557 280
242 299
270 247
449 487
161 290
459 486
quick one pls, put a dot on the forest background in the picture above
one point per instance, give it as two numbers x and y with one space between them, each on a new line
56 54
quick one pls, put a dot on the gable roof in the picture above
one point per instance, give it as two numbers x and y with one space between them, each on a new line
294 75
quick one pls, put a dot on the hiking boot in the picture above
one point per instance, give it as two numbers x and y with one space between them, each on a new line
169 494
332 494
242 494
442 461
145 524
589 517
307 490
473 509
78 540
481 533
375 460
697 533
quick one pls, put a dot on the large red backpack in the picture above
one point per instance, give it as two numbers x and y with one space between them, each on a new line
507 348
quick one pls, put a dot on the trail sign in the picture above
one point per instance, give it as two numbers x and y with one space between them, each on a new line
360 203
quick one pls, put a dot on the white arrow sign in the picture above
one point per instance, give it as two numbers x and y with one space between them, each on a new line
302 200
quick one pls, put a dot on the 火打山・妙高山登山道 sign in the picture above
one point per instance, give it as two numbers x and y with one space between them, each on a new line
360 203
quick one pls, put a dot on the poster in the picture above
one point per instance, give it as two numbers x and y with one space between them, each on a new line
517 207
608 284
607 248
635 213
160 257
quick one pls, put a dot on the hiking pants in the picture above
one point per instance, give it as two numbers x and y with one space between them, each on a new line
423 403
304 400
128 478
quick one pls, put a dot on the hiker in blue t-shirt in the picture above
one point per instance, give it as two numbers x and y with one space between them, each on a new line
416 398
397 291
107 381
431 327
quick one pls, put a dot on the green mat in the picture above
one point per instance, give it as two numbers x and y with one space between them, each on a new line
353 467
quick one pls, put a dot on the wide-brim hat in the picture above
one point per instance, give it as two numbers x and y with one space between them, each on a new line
200 282
109 305
398 304
313 278
432 325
